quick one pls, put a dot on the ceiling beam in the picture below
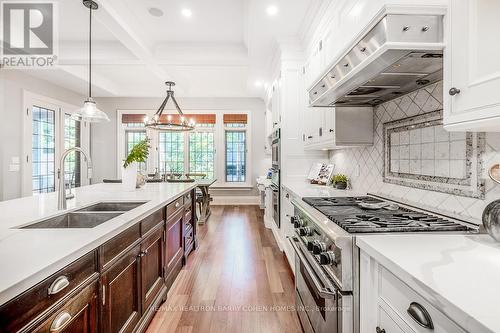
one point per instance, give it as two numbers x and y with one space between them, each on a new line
122 23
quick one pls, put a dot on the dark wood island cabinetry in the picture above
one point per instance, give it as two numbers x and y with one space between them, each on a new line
117 286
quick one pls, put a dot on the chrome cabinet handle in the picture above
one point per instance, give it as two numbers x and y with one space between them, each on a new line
420 315
60 322
454 91
59 284
323 292
379 330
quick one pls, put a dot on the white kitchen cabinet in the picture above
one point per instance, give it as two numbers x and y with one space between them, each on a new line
472 69
341 127
287 229
385 301
276 103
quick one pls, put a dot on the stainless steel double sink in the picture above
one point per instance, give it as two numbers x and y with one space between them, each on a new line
86 217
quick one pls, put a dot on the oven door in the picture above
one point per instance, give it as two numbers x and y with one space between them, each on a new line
317 306
276 154
276 204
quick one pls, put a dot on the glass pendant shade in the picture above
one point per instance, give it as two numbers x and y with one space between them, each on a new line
90 113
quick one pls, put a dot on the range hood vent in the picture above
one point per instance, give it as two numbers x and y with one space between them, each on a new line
400 54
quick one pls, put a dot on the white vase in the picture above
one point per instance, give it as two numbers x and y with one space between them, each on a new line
129 176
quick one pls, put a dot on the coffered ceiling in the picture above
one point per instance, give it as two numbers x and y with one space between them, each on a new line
217 48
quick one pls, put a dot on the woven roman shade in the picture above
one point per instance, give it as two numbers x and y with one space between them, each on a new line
175 118
235 119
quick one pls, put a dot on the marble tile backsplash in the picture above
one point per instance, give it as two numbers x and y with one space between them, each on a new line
365 166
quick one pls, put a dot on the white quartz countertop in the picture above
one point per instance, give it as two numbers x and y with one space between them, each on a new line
458 274
27 256
264 181
302 189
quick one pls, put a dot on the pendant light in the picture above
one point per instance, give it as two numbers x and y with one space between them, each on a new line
89 112
167 123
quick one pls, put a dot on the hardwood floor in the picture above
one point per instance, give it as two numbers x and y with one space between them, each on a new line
236 281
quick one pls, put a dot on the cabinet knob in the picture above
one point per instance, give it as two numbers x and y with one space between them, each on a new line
331 131
454 91
379 330
363 49
310 137
406 28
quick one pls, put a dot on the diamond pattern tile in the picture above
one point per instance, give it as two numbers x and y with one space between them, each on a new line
370 159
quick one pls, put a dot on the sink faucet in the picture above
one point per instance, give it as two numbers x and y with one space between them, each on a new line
61 198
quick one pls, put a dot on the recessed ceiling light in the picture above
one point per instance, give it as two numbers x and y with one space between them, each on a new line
272 10
186 12
156 12
258 84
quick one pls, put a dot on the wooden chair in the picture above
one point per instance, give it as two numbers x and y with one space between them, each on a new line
199 194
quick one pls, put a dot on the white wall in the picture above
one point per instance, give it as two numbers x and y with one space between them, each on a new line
12 84
104 136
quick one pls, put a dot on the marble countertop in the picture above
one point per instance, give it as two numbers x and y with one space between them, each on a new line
458 274
27 256
266 182
302 189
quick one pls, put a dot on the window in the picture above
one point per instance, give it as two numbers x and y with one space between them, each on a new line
235 156
72 139
202 153
43 150
195 152
133 137
49 132
171 151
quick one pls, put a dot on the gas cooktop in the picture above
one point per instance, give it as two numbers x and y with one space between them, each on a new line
348 214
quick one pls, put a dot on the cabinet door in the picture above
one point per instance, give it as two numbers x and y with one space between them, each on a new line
174 242
472 66
152 265
78 315
121 303
329 130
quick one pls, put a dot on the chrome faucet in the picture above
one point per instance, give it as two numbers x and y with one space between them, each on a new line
61 198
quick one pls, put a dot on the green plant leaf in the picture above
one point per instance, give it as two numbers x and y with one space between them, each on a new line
138 153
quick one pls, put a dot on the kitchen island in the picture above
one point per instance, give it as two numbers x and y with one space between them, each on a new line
149 239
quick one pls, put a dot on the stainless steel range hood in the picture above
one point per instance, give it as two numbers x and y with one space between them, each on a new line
401 53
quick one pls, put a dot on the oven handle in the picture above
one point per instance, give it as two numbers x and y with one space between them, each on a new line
323 292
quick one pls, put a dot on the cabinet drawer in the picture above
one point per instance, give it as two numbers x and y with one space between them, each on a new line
18 312
79 314
152 221
174 206
118 245
399 297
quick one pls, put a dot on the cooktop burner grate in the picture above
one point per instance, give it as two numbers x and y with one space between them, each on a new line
354 219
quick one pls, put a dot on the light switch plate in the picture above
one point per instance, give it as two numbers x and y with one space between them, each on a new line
14 168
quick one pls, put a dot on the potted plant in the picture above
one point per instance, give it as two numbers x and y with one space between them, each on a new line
340 181
139 153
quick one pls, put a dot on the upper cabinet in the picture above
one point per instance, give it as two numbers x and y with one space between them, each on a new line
337 128
472 69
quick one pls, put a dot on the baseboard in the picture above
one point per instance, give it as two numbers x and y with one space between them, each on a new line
268 222
235 200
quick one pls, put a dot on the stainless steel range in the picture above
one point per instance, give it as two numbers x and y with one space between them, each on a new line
327 260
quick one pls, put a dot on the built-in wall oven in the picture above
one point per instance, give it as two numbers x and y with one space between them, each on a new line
276 149
275 186
276 177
